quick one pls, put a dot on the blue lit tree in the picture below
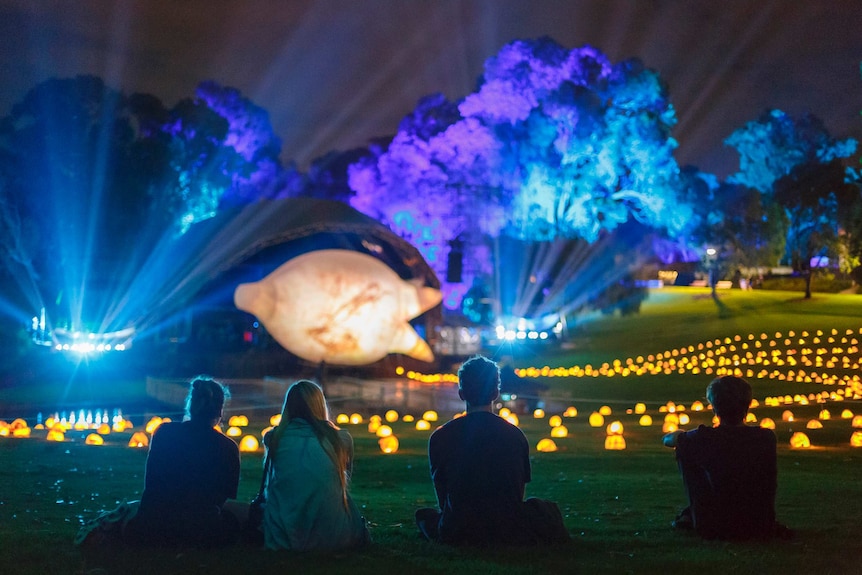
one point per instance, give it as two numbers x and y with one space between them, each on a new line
794 164
554 144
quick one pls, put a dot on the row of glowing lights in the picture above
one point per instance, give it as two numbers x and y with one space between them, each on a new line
719 357
89 347
520 335
675 416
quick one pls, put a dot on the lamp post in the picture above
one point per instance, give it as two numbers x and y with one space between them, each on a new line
710 266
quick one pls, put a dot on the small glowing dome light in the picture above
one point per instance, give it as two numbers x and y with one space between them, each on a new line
341 418
55 435
856 439
787 415
539 413
596 419
276 419
640 408
615 443
767 423
384 431
546 445
233 431
408 418
560 431
605 410
555 421
249 443
571 411
388 444
799 441
814 424
391 416
373 425
355 418
238 421
430 415
645 420
504 412
615 428
697 406
684 419
139 439
513 419
153 424
669 427
94 439
423 425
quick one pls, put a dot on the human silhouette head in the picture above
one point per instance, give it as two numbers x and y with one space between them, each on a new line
305 400
730 397
205 400
478 381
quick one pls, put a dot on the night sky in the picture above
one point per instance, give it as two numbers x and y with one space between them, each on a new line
334 73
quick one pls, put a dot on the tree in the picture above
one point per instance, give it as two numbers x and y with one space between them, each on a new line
554 143
794 163
819 204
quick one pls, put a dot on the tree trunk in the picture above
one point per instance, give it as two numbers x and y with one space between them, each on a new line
808 285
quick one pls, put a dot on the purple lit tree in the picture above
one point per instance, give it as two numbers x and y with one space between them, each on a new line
555 144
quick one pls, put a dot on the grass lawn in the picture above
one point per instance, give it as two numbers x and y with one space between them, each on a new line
617 504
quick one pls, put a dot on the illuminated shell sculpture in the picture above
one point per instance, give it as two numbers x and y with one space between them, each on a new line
339 306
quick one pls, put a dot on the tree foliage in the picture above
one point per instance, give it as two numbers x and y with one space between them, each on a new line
554 143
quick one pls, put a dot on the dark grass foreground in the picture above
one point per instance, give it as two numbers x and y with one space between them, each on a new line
617 505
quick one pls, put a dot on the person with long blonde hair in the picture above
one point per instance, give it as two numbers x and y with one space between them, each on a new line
308 505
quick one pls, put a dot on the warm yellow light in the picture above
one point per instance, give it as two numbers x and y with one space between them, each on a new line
787 415
645 420
767 423
814 424
684 419
856 439
408 418
238 421
846 414
94 439
266 430
341 419
750 418
504 412
671 418
153 424
355 418
856 421
697 406
555 421
384 431
103 429
55 435
824 415
560 431
615 428
232 431
596 419
615 443
799 440
373 425
669 427
513 419
249 443
423 425
605 410
21 432
571 411
388 444
546 445
430 415
139 439
539 413
276 419
391 416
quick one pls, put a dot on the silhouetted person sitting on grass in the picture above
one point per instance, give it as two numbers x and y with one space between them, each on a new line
480 465
729 472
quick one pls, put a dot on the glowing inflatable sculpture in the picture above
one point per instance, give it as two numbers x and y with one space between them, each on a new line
339 306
